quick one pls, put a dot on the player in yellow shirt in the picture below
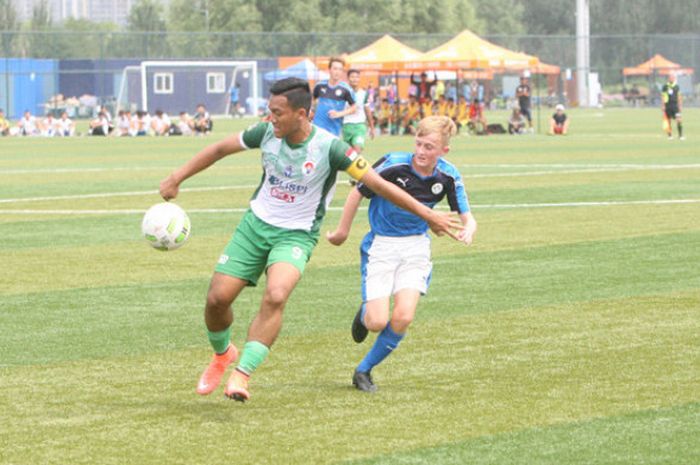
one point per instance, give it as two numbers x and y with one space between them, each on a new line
451 110
462 112
385 116
426 108
4 124
411 116
442 106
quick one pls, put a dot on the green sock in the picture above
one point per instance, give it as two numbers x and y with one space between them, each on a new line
254 353
220 340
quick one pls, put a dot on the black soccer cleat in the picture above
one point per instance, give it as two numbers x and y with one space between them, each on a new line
359 330
363 382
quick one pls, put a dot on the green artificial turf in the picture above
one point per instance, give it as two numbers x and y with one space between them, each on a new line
568 333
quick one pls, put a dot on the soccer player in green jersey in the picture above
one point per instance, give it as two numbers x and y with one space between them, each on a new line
671 101
355 125
281 228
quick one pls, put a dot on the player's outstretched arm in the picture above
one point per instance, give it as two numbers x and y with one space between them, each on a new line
170 186
341 232
439 223
349 110
467 234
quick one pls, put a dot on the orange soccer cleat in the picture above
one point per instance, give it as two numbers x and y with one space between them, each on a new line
211 378
237 387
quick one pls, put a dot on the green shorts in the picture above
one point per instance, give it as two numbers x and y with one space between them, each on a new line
255 245
354 134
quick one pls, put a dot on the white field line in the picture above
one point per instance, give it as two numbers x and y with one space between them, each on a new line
122 194
591 169
582 165
473 165
83 170
338 209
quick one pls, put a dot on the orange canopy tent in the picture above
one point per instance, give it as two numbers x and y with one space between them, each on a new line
656 64
469 51
385 54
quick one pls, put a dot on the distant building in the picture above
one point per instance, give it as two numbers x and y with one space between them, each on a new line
114 11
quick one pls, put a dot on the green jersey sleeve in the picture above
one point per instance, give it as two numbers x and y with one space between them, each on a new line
253 136
339 155
343 157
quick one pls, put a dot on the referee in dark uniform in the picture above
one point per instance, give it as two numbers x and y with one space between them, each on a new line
671 104
523 94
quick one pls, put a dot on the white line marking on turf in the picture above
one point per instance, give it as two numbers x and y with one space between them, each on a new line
82 170
120 194
587 168
639 166
474 165
476 207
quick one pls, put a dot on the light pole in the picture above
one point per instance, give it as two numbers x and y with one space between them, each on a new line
583 51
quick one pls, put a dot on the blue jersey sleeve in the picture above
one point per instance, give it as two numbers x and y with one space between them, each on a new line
456 196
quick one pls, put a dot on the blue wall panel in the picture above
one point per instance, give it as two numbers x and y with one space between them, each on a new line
27 84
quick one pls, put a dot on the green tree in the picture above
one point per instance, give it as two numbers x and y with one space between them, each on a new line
146 21
8 27
82 38
500 17
548 17
41 42
229 24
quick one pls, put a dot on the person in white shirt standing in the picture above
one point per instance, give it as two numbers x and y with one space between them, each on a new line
355 125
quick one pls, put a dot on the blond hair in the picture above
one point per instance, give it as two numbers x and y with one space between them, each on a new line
336 60
437 124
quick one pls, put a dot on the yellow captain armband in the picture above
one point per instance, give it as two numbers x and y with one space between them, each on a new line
358 167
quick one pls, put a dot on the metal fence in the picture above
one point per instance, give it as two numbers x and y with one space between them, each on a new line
105 53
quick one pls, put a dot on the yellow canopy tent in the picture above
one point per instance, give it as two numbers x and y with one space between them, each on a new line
656 64
468 51
386 54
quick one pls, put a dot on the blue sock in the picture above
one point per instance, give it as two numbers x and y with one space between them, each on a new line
386 342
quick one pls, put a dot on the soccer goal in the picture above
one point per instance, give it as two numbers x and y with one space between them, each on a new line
175 86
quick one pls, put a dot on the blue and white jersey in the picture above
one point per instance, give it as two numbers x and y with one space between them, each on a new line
386 219
331 98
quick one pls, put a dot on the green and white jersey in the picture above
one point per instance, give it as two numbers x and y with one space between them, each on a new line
361 100
299 180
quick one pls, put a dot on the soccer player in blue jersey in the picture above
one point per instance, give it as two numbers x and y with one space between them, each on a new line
396 252
333 99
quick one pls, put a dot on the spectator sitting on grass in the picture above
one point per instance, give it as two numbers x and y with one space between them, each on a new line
65 126
202 120
160 123
48 126
142 124
28 125
559 123
4 124
124 124
517 122
99 126
185 124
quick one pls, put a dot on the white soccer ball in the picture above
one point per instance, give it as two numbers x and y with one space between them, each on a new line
166 226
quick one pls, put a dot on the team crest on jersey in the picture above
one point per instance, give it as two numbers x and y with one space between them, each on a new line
338 92
308 167
289 171
436 188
